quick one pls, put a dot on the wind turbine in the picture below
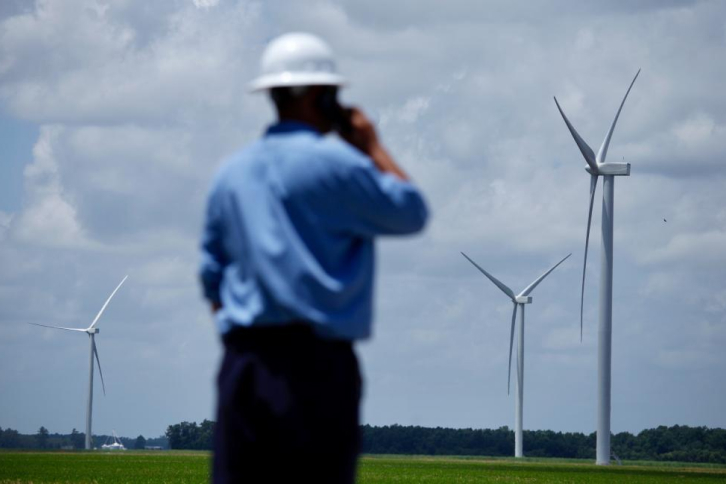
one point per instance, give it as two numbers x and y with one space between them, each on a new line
596 166
519 300
92 331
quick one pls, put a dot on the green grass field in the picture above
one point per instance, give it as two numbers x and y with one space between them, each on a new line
193 467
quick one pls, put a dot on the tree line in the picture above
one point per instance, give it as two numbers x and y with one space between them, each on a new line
678 443
43 439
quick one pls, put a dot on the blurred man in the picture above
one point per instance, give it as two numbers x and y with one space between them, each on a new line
288 266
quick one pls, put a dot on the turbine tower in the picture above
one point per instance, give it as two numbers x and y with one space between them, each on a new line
92 331
596 166
519 300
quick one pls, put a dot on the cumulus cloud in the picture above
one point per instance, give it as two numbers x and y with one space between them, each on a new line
48 218
105 74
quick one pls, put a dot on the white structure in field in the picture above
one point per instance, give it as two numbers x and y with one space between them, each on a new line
519 300
92 331
596 166
115 444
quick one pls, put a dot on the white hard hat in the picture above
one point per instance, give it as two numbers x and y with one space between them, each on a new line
297 59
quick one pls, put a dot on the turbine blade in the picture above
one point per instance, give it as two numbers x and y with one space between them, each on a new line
584 148
95 352
603 151
106 303
531 287
593 189
59 327
496 281
511 343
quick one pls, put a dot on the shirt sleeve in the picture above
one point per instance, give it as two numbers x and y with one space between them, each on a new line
214 258
375 203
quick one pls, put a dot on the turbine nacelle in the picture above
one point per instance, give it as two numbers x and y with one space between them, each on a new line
614 169
93 330
523 299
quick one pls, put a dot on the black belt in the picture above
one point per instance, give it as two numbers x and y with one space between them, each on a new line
293 333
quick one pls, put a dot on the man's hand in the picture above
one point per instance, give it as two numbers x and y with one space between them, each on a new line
362 134
364 137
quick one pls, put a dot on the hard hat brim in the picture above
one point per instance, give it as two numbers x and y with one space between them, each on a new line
290 79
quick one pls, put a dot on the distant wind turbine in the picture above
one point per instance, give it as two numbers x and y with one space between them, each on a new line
519 300
92 330
596 166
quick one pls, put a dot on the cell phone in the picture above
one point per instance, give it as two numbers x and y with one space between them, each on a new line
336 114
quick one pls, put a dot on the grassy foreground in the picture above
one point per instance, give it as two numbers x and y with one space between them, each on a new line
193 467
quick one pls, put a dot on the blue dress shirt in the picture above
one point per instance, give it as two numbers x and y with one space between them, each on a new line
289 232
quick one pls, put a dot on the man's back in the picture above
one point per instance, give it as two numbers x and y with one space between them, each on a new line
290 230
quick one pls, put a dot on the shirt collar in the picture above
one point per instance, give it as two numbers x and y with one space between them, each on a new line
283 127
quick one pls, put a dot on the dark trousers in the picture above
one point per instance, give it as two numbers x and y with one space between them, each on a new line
288 408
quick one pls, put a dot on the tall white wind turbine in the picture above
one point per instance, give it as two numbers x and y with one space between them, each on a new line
596 166
92 331
519 300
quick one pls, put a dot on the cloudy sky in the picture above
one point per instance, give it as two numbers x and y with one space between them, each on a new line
114 116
